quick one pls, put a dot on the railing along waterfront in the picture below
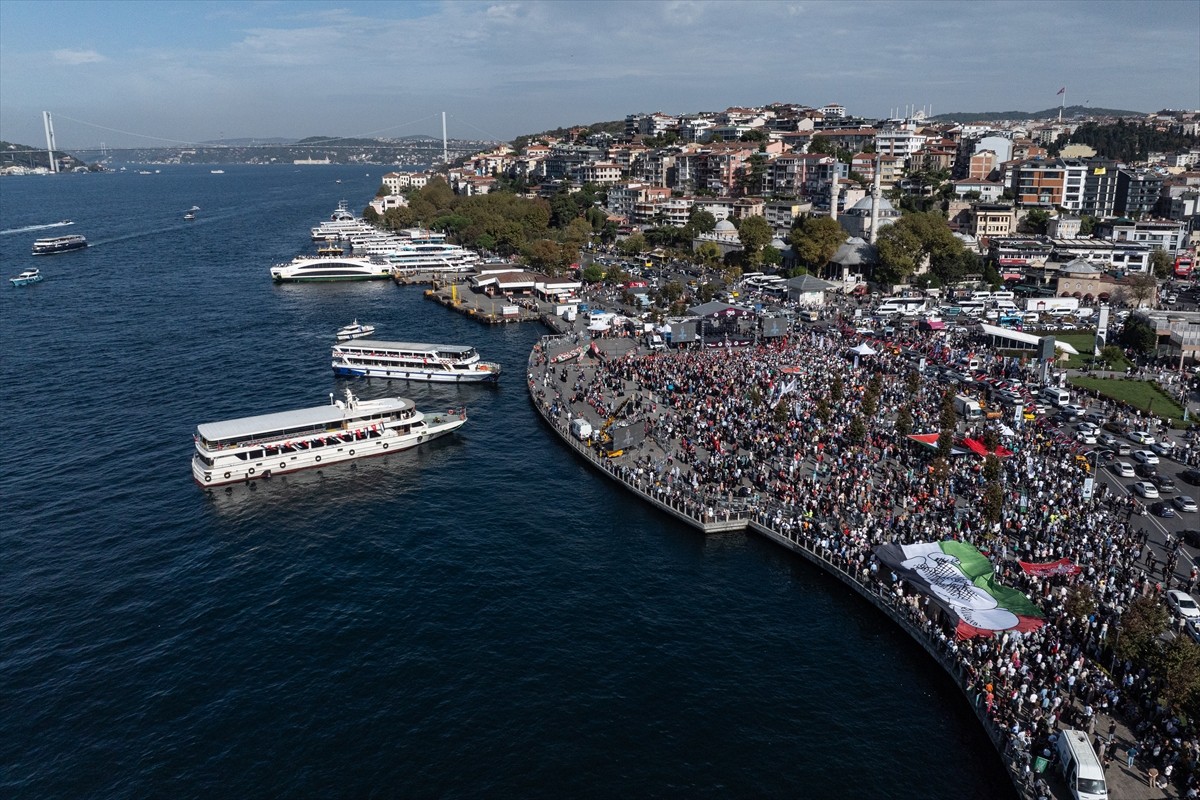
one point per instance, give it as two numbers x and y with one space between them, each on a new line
709 519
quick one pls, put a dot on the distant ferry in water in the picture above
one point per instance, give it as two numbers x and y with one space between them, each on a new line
330 268
59 244
439 363
249 448
217 171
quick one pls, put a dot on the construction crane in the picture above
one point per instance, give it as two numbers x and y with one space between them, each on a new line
603 438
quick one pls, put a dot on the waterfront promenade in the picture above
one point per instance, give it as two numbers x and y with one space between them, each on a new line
819 497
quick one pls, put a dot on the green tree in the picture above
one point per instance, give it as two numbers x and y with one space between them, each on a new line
815 240
771 256
991 468
632 245
383 191
1081 601
993 502
837 389
592 274
1139 336
913 381
1161 263
899 253
708 253
1144 621
702 221
1036 221
1141 287
857 430
904 421
1177 666
754 233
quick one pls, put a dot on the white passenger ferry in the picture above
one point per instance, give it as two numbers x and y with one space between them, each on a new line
275 444
441 363
331 268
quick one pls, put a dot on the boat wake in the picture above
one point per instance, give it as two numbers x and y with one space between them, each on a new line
28 228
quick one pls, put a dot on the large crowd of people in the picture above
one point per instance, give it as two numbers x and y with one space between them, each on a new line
778 433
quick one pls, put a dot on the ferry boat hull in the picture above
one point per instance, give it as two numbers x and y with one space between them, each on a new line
324 269
60 244
414 374
412 361
27 277
242 472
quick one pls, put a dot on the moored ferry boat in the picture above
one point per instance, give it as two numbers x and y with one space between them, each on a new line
59 244
331 268
440 363
249 448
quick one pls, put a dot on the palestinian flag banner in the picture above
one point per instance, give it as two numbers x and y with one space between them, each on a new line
1064 566
961 581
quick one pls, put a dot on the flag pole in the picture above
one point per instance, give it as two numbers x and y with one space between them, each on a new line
1062 104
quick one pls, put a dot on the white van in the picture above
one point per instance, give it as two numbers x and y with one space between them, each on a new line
1056 397
1080 767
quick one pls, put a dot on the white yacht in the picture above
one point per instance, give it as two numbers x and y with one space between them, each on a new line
431 257
354 330
330 268
249 448
440 363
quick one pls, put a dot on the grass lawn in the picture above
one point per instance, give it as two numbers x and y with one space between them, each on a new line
1084 341
1139 394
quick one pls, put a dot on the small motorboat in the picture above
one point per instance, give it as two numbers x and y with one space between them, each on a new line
353 331
27 277
190 215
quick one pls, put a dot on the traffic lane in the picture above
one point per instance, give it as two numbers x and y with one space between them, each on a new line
1164 525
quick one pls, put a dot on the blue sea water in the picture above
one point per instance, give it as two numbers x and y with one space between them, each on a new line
481 617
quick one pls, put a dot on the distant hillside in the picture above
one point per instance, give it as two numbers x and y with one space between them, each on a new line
23 155
1049 113
249 142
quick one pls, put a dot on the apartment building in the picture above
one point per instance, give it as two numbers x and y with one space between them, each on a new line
993 220
1169 236
1137 192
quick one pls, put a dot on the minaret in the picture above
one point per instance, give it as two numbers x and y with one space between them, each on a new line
875 202
835 191
445 152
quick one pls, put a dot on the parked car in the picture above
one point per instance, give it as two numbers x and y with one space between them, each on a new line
1076 409
1190 536
1145 471
1182 604
1140 437
1123 469
1107 439
1144 457
1192 628
1123 448
1161 509
1146 489
1085 437
1115 426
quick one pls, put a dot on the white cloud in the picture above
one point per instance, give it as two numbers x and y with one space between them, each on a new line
74 57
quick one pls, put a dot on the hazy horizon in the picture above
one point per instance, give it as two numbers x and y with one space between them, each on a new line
157 74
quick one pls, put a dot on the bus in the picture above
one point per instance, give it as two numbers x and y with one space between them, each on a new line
1183 265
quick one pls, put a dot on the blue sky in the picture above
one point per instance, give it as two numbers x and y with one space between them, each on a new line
150 73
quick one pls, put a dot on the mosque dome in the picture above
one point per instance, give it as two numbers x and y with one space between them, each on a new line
725 227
